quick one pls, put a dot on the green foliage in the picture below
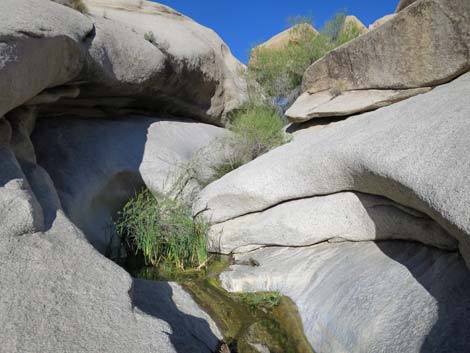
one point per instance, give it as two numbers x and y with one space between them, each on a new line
163 231
79 6
333 27
227 166
256 130
280 71
259 129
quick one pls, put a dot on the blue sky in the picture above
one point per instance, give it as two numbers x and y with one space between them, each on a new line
244 23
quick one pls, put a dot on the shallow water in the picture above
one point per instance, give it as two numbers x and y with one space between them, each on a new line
248 321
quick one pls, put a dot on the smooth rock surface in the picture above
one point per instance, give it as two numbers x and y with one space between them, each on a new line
330 103
338 217
181 67
58 294
399 297
414 153
98 164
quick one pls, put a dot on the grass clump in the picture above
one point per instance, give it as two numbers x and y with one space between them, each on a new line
163 232
150 37
79 5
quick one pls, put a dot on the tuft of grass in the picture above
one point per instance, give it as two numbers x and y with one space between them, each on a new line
226 166
79 6
163 232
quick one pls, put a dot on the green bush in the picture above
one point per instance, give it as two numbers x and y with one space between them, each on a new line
256 130
280 71
259 129
163 232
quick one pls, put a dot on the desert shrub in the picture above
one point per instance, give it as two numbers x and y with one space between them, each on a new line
260 300
79 6
348 33
259 129
226 166
334 26
162 231
280 71
256 130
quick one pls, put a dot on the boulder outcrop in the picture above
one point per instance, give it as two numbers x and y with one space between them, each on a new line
289 36
71 154
124 55
370 153
406 52
337 217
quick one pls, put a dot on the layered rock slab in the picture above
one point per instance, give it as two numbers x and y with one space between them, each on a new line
413 153
330 103
406 52
366 297
335 218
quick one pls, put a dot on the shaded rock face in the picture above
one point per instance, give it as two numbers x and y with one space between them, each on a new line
59 294
306 212
406 52
126 55
98 164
